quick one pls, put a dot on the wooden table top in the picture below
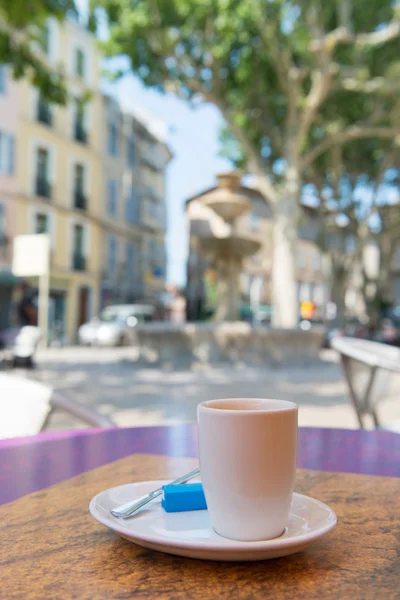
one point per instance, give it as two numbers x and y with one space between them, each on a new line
51 548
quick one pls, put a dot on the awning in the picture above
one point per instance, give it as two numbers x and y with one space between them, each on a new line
7 278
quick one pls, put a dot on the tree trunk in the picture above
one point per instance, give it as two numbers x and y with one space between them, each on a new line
339 285
284 287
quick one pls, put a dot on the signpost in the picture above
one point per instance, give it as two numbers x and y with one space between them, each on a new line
31 257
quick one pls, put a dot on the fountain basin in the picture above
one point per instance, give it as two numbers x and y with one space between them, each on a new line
233 247
227 204
183 345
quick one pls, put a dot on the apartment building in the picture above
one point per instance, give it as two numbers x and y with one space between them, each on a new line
58 175
255 279
8 188
134 180
154 156
121 232
89 174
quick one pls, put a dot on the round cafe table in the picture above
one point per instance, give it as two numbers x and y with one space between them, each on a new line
51 548
34 463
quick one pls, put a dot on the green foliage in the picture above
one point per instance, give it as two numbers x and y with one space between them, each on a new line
257 61
231 149
21 32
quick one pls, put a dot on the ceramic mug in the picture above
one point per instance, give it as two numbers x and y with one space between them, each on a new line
247 449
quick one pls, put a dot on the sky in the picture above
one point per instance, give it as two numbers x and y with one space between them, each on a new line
193 140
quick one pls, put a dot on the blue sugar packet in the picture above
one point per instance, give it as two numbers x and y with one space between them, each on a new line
183 497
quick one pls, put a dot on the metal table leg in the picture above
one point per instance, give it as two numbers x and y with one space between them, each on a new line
360 402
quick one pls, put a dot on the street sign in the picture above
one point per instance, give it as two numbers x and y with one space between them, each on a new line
31 255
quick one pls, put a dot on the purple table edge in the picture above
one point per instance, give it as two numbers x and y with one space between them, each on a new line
34 463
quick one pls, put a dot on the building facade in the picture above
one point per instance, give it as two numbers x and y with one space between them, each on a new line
153 156
121 233
80 173
58 176
134 233
255 279
8 188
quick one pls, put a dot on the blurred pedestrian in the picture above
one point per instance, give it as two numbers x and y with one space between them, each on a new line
27 311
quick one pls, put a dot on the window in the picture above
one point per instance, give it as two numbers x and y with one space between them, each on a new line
112 255
130 259
316 260
41 224
80 133
42 185
130 154
131 207
112 141
350 243
160 253
2 221
3 79
112 200
301 259
79 63
319 294
7 149
305 291
153 250
78 256
44 111
79 187
79 177
44 38
42 163
254 221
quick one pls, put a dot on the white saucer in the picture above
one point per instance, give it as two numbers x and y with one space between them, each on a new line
191 534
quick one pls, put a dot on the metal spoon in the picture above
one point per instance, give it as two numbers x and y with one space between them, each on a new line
127 510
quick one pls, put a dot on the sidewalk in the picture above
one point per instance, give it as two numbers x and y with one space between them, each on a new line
107 380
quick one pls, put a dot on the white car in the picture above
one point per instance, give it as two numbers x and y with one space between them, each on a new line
115 326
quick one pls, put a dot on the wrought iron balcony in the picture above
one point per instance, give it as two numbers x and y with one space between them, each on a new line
44 114
78 262
81 133
43 187
80 200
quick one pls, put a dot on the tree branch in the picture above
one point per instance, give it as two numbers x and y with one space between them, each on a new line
377 84
321 81
288 75
354 132
255 163
384 35
342 35
344 9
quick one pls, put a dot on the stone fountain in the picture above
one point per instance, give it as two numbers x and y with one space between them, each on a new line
226 247
183 345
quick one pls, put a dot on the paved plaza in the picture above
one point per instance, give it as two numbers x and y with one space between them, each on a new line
108 380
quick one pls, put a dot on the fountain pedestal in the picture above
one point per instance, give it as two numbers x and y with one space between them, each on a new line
228 251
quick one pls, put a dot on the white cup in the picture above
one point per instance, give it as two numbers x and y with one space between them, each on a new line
247 452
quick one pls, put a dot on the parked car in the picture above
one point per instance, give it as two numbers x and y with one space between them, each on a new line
115 326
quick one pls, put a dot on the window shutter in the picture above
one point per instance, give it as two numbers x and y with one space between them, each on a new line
3 152
11 154
2 79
